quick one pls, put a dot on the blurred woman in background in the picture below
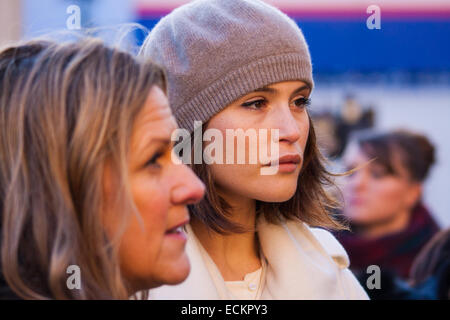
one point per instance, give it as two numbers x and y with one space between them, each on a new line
86 176
383 200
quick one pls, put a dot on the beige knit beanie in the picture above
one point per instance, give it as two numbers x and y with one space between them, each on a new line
215 51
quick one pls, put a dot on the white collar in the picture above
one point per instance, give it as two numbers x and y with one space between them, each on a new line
303 263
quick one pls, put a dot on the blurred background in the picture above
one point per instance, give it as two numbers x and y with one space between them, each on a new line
394 76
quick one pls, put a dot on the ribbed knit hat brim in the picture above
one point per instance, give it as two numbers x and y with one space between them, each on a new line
216 51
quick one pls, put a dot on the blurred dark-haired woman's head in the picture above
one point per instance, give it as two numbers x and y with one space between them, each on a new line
387 183
383 199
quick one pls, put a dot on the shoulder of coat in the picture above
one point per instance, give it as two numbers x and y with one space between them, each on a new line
331 246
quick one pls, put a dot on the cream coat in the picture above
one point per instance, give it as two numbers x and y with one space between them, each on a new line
302 263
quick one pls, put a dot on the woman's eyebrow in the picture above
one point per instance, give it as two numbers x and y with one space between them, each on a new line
149 143
298 90
160 141
265 89
273 90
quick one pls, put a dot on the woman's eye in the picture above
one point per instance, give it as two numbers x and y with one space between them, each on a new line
378 173
255 104
153 162
302 102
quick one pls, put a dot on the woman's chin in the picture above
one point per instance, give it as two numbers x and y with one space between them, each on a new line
169 274
275 190
179 271
276 194
276 197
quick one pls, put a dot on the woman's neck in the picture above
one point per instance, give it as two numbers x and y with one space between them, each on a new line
235 254
396 224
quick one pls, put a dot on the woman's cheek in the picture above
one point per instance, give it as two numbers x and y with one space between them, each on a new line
151 198
153 206
152 201
385 200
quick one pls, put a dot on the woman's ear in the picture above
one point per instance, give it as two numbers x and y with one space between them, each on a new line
414 194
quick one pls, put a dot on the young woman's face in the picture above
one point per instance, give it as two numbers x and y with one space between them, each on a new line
372 196
152 252
279 106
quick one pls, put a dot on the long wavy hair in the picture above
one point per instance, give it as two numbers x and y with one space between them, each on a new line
65 109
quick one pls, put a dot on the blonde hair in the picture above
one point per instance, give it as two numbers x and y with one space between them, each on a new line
65 109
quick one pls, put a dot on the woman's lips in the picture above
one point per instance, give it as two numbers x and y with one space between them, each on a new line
289 158
287 167
355 202
177 232
287 163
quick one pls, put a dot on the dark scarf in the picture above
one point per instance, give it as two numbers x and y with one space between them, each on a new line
394 252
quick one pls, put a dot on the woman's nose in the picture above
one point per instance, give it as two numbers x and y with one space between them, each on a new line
187 188
288 126
358 180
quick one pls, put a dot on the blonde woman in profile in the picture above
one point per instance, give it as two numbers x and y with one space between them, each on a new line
243 64
86 176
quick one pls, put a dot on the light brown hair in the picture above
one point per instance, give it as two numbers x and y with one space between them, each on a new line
65 109
414 151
